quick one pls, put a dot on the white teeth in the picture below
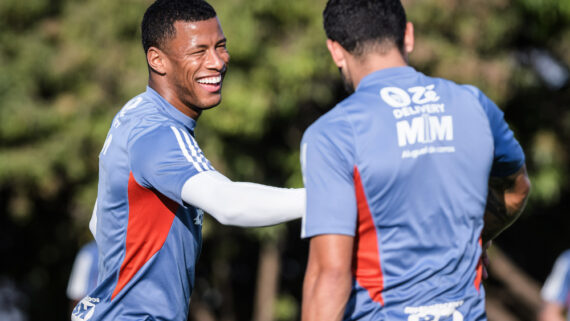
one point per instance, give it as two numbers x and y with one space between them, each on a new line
210 80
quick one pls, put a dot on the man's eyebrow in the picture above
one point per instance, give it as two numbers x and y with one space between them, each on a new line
205 46
195 47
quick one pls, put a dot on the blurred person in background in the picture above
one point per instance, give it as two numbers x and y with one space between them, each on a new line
405 180
83 277
13 302
154 181
556 291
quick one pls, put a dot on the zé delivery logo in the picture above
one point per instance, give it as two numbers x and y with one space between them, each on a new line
420 120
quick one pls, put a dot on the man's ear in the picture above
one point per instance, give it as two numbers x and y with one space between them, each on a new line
409 38
157 60
337 52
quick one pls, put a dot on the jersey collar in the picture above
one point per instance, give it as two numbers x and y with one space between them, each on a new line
384 74
163 104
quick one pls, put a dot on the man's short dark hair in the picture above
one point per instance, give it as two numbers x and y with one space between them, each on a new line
358 25
158 22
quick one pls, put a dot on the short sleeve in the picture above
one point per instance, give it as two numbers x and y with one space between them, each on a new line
327 162
556 286
164 158
508 156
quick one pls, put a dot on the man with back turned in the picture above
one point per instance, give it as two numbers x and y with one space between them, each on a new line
405 179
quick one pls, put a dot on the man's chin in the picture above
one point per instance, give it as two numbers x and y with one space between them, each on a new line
210 104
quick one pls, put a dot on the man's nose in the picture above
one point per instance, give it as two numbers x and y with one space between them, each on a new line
215 60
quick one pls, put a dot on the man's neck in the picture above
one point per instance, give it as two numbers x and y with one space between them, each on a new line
372 62
167 93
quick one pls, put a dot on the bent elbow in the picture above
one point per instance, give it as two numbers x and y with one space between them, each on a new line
523 189
226 216
231 215
515 199
522 185
527 187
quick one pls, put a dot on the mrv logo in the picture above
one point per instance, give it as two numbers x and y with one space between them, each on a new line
424 129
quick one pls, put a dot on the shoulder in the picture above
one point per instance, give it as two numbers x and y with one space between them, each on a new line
334 123
142 107
477 94
159 137
475 97
143 117
329 138
453 88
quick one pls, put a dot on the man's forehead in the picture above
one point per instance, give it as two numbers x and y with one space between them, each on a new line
201 29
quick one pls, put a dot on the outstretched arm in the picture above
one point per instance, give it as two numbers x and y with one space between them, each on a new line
243 204
505 202
328 278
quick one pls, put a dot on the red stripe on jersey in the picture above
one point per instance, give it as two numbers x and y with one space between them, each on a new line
479 269
150 218
366 258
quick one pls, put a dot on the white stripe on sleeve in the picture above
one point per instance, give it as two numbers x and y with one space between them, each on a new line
196 153
184 150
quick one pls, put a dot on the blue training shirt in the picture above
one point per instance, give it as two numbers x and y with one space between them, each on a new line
403 166
148 238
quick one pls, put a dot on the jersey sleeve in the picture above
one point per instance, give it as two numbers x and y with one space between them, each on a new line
508 156
164 158
557 285
327 162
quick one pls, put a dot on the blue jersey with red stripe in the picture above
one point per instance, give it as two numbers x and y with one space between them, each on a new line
403 166
148 238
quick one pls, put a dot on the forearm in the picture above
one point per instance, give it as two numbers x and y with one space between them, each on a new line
325 295
243 204
328 278
505 202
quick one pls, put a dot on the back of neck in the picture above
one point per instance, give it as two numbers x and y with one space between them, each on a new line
374 61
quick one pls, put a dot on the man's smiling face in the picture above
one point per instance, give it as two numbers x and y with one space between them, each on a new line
198 61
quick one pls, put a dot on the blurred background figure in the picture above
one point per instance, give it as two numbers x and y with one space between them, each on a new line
12 301
556 290
83 277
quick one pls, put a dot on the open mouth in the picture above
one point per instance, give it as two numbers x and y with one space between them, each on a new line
211 84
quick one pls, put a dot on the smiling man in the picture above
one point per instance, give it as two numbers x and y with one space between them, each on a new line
154 181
